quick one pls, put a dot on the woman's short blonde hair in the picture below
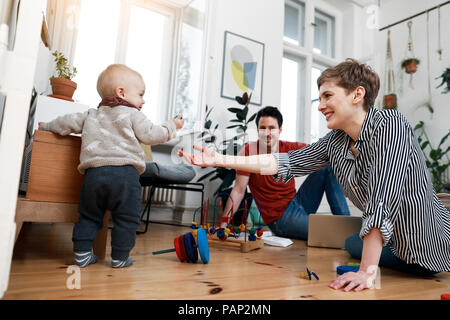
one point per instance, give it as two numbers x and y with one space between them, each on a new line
114 76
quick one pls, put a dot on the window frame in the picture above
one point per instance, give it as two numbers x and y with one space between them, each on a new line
329 22
301 28
174 11
169 64
312 58
320 67
201 112
301 78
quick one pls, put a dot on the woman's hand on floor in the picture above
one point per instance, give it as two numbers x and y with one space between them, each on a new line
356 281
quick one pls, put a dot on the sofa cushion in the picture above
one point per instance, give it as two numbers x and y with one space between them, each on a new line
159 173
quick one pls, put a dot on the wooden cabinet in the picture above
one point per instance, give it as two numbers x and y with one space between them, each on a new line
54 185
53 174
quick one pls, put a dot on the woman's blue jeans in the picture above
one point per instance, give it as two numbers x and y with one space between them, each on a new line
294 221
354 246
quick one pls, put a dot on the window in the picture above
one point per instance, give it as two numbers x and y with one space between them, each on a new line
294 22
293 70
146 53
324 31
318 123
190 64
303 61
163 43
97 28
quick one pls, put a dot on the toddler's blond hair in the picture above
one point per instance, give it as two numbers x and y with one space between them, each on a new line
115 76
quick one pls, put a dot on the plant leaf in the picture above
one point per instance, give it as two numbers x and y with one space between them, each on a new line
208 112
234 110
442 168
444 138
234 126
201 135
241 115
251 118
443 153
434 153
419 125
245 111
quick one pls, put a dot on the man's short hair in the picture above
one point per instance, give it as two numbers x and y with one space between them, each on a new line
351 74
269 111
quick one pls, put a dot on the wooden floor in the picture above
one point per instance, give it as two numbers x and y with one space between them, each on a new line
43 253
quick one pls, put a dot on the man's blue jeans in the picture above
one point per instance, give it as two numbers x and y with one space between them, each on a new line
295 219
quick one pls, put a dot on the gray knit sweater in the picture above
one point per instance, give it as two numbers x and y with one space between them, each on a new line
112 136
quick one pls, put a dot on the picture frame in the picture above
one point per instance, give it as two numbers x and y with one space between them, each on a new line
242 67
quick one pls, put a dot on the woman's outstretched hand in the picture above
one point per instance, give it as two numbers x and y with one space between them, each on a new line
207 157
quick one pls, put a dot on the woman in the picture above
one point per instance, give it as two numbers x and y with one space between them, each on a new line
381 168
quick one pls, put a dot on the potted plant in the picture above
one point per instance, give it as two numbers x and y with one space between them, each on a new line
209 136
390 101
229 146
410 65
62 85
436 158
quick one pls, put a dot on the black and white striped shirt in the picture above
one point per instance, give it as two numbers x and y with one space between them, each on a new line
388 181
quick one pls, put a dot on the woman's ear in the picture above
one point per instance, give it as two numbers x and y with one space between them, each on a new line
120 92
358 94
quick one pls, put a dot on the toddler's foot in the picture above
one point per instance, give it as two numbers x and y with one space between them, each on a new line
122 263
83 259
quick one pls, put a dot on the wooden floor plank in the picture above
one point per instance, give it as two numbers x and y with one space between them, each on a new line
43 253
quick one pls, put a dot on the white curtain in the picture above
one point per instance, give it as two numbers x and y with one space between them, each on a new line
62 22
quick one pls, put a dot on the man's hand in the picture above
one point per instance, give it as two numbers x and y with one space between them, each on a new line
207 157
179 122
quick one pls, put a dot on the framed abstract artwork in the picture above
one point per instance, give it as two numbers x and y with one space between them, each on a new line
243 67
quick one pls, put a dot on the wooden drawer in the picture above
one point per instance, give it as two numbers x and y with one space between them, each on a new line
53 172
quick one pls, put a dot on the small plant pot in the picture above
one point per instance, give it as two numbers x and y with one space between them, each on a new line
62 88
390 101
410 65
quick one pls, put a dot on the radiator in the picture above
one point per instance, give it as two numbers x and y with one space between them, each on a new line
160 196
25 168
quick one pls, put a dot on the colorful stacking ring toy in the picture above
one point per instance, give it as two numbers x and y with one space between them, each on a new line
186 247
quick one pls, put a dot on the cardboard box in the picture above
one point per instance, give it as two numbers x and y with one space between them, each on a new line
331 231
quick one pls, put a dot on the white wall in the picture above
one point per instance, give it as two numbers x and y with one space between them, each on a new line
410 100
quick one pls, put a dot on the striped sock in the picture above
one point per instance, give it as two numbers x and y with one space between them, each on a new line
122 263
83 259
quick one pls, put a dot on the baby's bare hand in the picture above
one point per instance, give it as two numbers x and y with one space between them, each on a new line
179 122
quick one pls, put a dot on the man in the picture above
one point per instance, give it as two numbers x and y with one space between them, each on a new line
283 209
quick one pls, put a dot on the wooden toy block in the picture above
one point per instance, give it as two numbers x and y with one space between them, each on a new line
245 246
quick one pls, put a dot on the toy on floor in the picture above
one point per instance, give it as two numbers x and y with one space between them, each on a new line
229 236
353 264
307 275
186 247
445 296
343 269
